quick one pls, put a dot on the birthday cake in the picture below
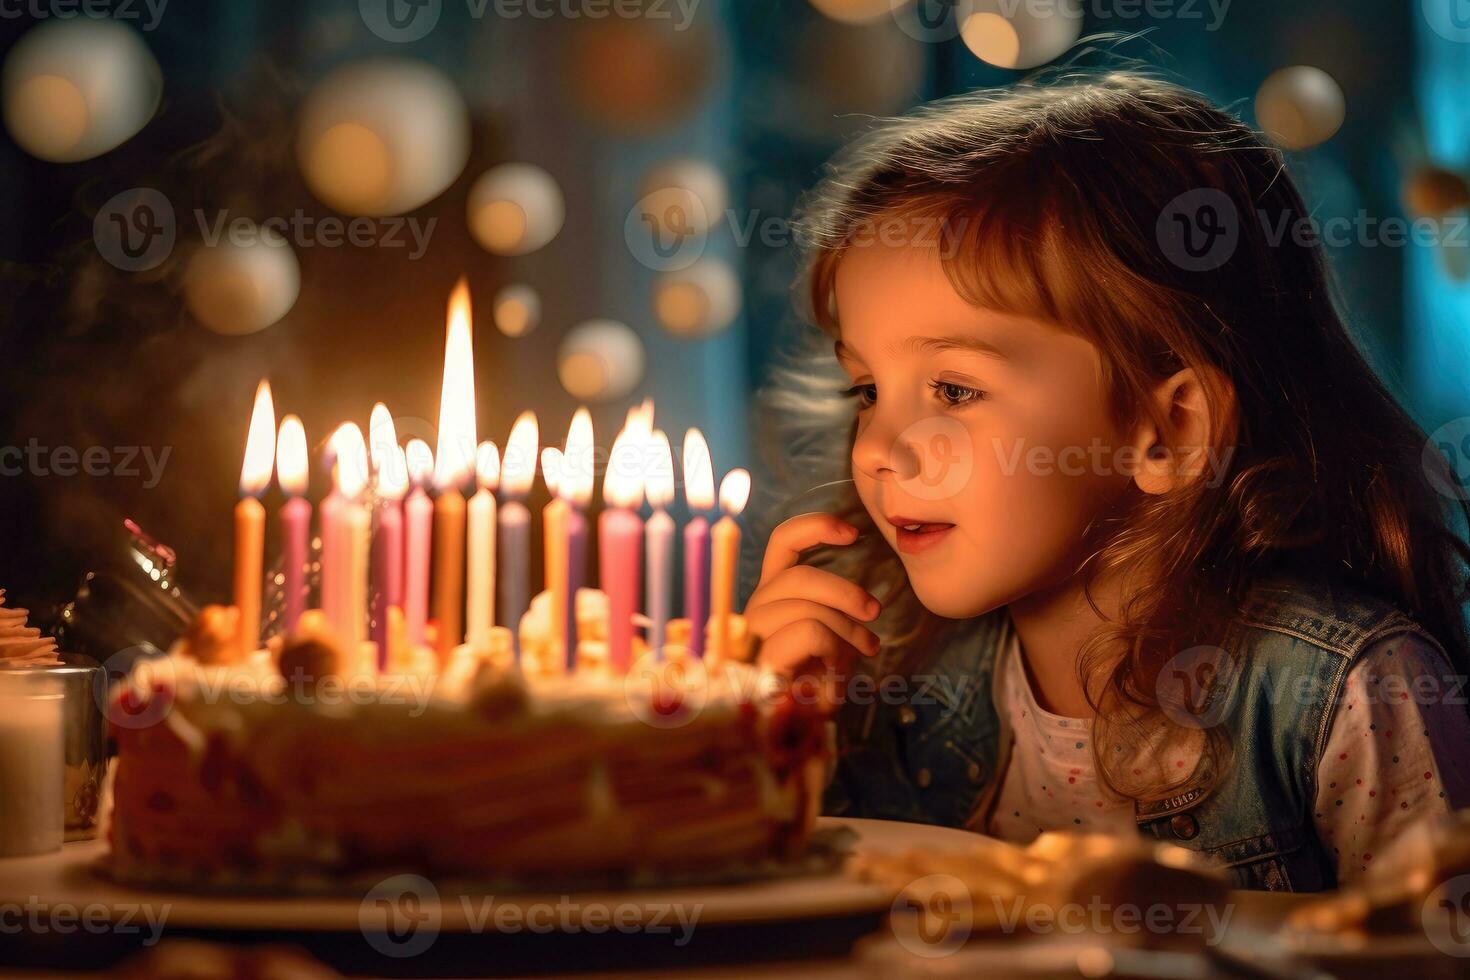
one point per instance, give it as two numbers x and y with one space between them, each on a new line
294 767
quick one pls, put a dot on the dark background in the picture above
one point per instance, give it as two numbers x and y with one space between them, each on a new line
764 89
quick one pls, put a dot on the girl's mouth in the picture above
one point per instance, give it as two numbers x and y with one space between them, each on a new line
916 536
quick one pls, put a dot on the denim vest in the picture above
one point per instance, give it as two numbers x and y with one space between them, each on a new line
938 754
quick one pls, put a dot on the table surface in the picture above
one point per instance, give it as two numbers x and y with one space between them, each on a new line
798 928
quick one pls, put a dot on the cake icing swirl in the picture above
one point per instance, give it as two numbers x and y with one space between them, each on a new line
21 644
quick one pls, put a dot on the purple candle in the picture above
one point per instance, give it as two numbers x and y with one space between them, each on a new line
699 492
578 462
291 465
418 523
387 548
513 532
659 543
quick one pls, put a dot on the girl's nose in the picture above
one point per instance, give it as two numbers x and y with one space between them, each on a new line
882 451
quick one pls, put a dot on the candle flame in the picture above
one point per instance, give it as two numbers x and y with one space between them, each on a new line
734 492
291 456
518 467
487 465
660 483
350 459
551 469
579 460
455 458
622 485
699 472
382 437
419 459
260 444
640 417
392 476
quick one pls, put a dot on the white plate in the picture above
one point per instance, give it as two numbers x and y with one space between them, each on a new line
73 877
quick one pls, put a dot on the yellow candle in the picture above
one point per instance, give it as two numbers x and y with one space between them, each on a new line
249 568
255 475
453 463
555 525
449 538
725 557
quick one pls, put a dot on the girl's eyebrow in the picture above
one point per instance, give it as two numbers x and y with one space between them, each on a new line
959 342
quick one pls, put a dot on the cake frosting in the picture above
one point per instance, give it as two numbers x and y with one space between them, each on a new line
21 644
297 765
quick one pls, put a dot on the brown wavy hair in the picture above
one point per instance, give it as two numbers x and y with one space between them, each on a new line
1048 197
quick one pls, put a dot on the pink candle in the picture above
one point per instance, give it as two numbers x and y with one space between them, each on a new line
387 549
620 543
291 468
418 528
659 542
699 492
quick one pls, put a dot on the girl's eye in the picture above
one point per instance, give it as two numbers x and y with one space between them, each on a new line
955 394
866 395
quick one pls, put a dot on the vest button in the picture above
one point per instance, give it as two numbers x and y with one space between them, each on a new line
974 772
907 716
1184 825
924 778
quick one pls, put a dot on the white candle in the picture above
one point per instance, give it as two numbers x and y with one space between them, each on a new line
32 763
346 527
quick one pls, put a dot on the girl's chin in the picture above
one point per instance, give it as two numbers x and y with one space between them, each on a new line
942 598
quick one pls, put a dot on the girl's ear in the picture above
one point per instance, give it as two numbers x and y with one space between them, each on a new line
1185 448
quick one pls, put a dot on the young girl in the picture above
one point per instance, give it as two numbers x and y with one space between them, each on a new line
1156 551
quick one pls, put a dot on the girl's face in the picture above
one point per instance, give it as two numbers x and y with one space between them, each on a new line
984 441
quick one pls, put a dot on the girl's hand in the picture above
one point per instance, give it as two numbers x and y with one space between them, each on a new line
805 614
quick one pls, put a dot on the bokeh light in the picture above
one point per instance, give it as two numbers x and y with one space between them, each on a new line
600 360
516 310
1018 36
1300 107
242 283
515 208
383 137
75 89
699 300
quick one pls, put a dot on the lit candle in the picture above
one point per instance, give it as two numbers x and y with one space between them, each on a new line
345 532
418 516
517 471
578 465
725 543
659 540
554 542
391 481
255 476
620 543
699 492
291 470
481 587
454 461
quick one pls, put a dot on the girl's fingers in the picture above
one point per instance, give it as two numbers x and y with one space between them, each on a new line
799 534
790 647
816 585
771 617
